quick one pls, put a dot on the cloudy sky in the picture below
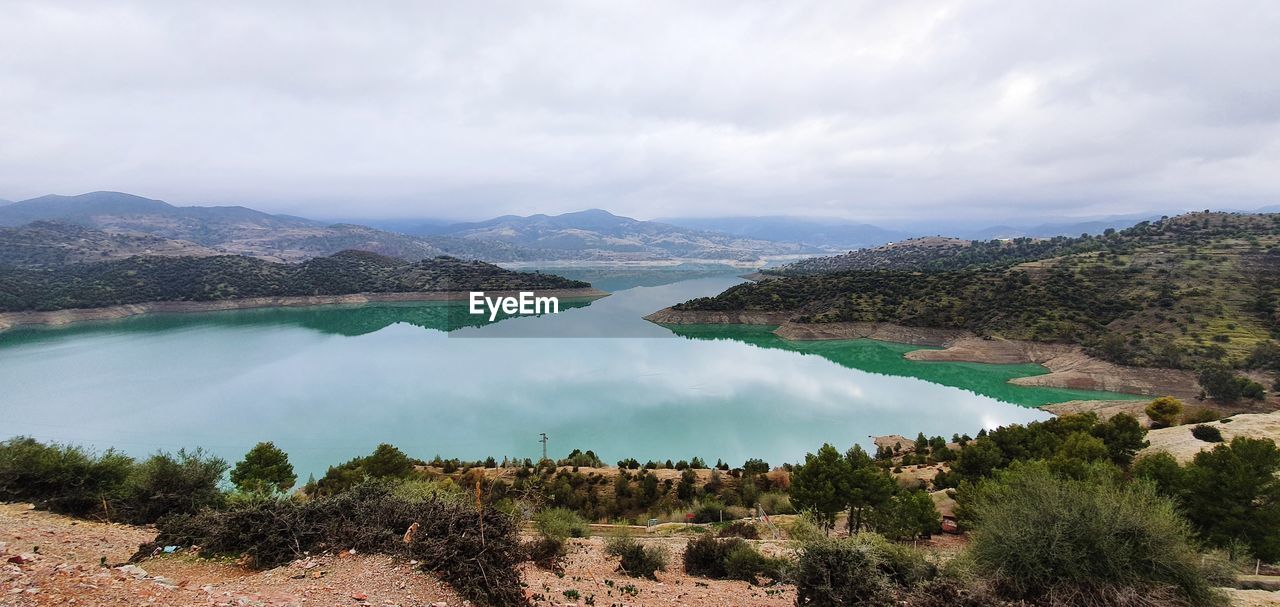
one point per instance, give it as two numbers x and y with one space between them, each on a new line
866 110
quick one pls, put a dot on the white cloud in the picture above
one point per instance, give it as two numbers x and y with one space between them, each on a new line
867 110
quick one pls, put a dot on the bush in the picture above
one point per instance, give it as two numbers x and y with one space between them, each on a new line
836 573
475 552
1164 411
264 469
546 552
637 560
1201 415
1089 541
168 484
59 478
561 523
1208 434
805 528
731 558
740 529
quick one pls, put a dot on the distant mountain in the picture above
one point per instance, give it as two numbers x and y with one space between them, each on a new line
600 235
832 234
45 244
238 230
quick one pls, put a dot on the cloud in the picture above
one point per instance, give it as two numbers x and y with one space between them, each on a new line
860 109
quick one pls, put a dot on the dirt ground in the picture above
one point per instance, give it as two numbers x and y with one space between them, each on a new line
46 559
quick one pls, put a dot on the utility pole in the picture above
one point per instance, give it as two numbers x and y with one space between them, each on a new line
543 440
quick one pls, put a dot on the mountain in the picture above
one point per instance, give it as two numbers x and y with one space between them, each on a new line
600 235
593 235
1191 290
227 277
48 243
1049 230
832 234
237 230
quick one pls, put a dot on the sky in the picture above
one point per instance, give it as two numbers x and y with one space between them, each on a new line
465 110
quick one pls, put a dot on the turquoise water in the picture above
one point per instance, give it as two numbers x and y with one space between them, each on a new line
327 384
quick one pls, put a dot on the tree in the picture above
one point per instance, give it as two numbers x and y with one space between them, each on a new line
387 462
821 485
264 469
922 444
1220 383
1232 496
1124 437
905 516
1165 411
978 459
869 487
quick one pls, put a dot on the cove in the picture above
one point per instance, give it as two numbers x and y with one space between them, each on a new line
328 384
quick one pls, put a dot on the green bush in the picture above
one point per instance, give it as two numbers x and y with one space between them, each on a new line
1164 411
1208 434
1089 541
165 484
264 469
475 552
1201 415
60 478
730 558
635 559
560 523
838 573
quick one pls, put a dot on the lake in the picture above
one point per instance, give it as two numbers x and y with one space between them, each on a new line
328 384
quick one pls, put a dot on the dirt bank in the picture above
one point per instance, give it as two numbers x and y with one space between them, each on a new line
62 317
1179 442
1068 365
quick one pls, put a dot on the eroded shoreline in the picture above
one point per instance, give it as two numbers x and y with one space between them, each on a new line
9 320
1069 366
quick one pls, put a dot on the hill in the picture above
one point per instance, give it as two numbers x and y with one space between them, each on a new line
1181 292
237 230
226 277
47 243
831 234
600 235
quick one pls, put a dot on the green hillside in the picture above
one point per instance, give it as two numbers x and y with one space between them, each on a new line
1175 293
143 279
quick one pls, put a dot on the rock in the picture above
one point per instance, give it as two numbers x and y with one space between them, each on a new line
360 596
132 570
22 559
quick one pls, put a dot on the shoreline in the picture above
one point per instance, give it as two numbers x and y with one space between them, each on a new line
54 318
1068 365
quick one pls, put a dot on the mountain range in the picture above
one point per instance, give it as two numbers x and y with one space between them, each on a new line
592 235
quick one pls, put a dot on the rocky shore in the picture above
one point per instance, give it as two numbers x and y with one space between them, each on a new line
1069 366
62 317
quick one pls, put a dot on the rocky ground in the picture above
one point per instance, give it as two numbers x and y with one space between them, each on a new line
46 559
1179 441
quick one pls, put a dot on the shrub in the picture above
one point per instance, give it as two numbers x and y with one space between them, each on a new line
740 529
714 512
635 559
836 573
166 484
1201 415
805 528
1208 434
561 523
59 478
546 552
475 551
1164 411
731 558
1088 541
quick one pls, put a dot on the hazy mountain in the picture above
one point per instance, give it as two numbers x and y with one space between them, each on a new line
236 229
819 232
48 244
600 235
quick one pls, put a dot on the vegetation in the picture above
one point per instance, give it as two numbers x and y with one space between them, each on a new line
1208 434
1185 292
264 469
861 570
1164 411
475 551
1093 540
560 523
636 559
731 559
223 277
70 480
